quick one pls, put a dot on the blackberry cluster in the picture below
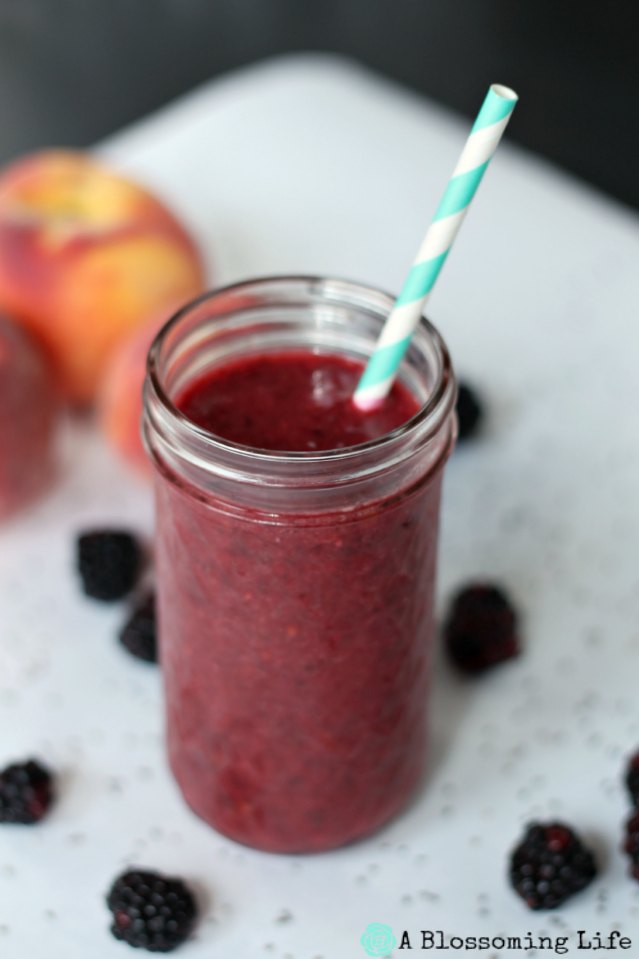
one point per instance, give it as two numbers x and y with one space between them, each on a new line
151 911
109 562
26 792
550 865
480 630
138 635
632 779
631 842
631 845
469 412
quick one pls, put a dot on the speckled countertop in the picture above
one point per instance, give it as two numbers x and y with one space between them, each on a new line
312 165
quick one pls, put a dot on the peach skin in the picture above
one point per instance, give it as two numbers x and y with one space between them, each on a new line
29 407
85 257
119 398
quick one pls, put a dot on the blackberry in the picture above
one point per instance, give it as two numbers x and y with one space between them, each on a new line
109 562
26 792
151 911
469 412
632 779
550 865
631 845
480 630
138 633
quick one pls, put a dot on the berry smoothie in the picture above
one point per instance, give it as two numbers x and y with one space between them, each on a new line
293 401
295 648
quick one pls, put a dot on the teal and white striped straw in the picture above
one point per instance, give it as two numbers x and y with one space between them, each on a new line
396 334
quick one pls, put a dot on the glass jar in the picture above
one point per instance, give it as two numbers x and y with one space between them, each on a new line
295 590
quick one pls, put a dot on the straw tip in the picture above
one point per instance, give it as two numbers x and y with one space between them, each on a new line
504 92
366 403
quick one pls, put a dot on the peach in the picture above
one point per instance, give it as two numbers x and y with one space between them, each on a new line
119 399
85 257
29 405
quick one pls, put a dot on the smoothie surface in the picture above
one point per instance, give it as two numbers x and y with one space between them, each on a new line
294 401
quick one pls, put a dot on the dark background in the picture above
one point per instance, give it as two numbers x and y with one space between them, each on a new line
72 71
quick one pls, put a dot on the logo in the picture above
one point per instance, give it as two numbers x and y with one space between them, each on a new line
378 939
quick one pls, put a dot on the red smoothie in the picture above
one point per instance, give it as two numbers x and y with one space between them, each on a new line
297 401
295 649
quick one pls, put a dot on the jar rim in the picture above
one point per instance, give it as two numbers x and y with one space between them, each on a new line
425 421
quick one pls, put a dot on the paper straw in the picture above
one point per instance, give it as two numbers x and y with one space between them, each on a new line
396 334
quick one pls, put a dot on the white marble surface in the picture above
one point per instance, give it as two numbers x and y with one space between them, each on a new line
313 165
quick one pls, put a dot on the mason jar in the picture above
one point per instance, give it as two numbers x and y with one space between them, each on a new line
295 589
